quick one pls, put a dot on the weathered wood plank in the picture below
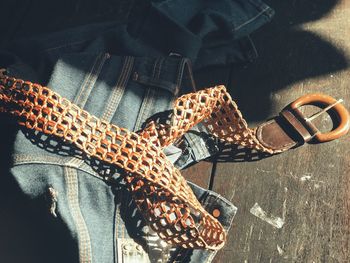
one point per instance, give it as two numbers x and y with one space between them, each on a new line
302 51
199 173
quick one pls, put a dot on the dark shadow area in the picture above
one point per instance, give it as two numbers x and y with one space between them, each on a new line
21 18
26 225
287 54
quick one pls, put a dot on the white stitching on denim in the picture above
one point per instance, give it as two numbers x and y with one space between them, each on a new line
64 45
86 80
149 97
49 160
90 80
179 75
118 219
250 20
71 178
160 67
74 162
118 90
146 103
155 67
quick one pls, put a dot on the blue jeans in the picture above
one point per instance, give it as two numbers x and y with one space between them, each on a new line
78 207
85 198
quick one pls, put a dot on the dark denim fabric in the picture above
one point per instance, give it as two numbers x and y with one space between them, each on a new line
208 32
205 31
121 74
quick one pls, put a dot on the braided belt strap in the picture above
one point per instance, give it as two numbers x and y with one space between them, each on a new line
160 192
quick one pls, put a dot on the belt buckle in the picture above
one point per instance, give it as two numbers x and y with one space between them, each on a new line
330 103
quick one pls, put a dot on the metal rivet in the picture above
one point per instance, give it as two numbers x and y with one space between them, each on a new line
216 212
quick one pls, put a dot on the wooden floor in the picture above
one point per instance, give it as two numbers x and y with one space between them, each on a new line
305 193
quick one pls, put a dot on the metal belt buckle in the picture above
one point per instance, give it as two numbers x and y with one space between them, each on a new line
330 103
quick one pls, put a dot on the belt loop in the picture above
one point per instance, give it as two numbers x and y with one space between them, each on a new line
185 64
189 68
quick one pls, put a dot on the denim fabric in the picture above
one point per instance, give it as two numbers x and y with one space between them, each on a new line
207 32
121 75
91 204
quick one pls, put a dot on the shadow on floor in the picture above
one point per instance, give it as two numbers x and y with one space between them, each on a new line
287 54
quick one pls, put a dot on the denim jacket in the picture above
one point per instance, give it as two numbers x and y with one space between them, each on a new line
79 207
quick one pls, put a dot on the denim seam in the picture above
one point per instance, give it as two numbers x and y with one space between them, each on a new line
87 87
252 52
116 95
75 162
119 228
148 98
115 228
190 74
45 160
146 103
161 62
180 75
72 184
118 90
251 19
65 45
155 65
211 256
85 81
261 5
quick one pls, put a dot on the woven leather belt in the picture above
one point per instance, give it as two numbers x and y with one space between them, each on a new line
160 192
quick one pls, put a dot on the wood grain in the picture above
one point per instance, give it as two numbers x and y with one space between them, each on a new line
308 187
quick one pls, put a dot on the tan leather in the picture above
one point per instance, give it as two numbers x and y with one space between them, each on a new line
329 102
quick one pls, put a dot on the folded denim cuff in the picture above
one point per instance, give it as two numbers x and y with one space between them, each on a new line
260 14
204 31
